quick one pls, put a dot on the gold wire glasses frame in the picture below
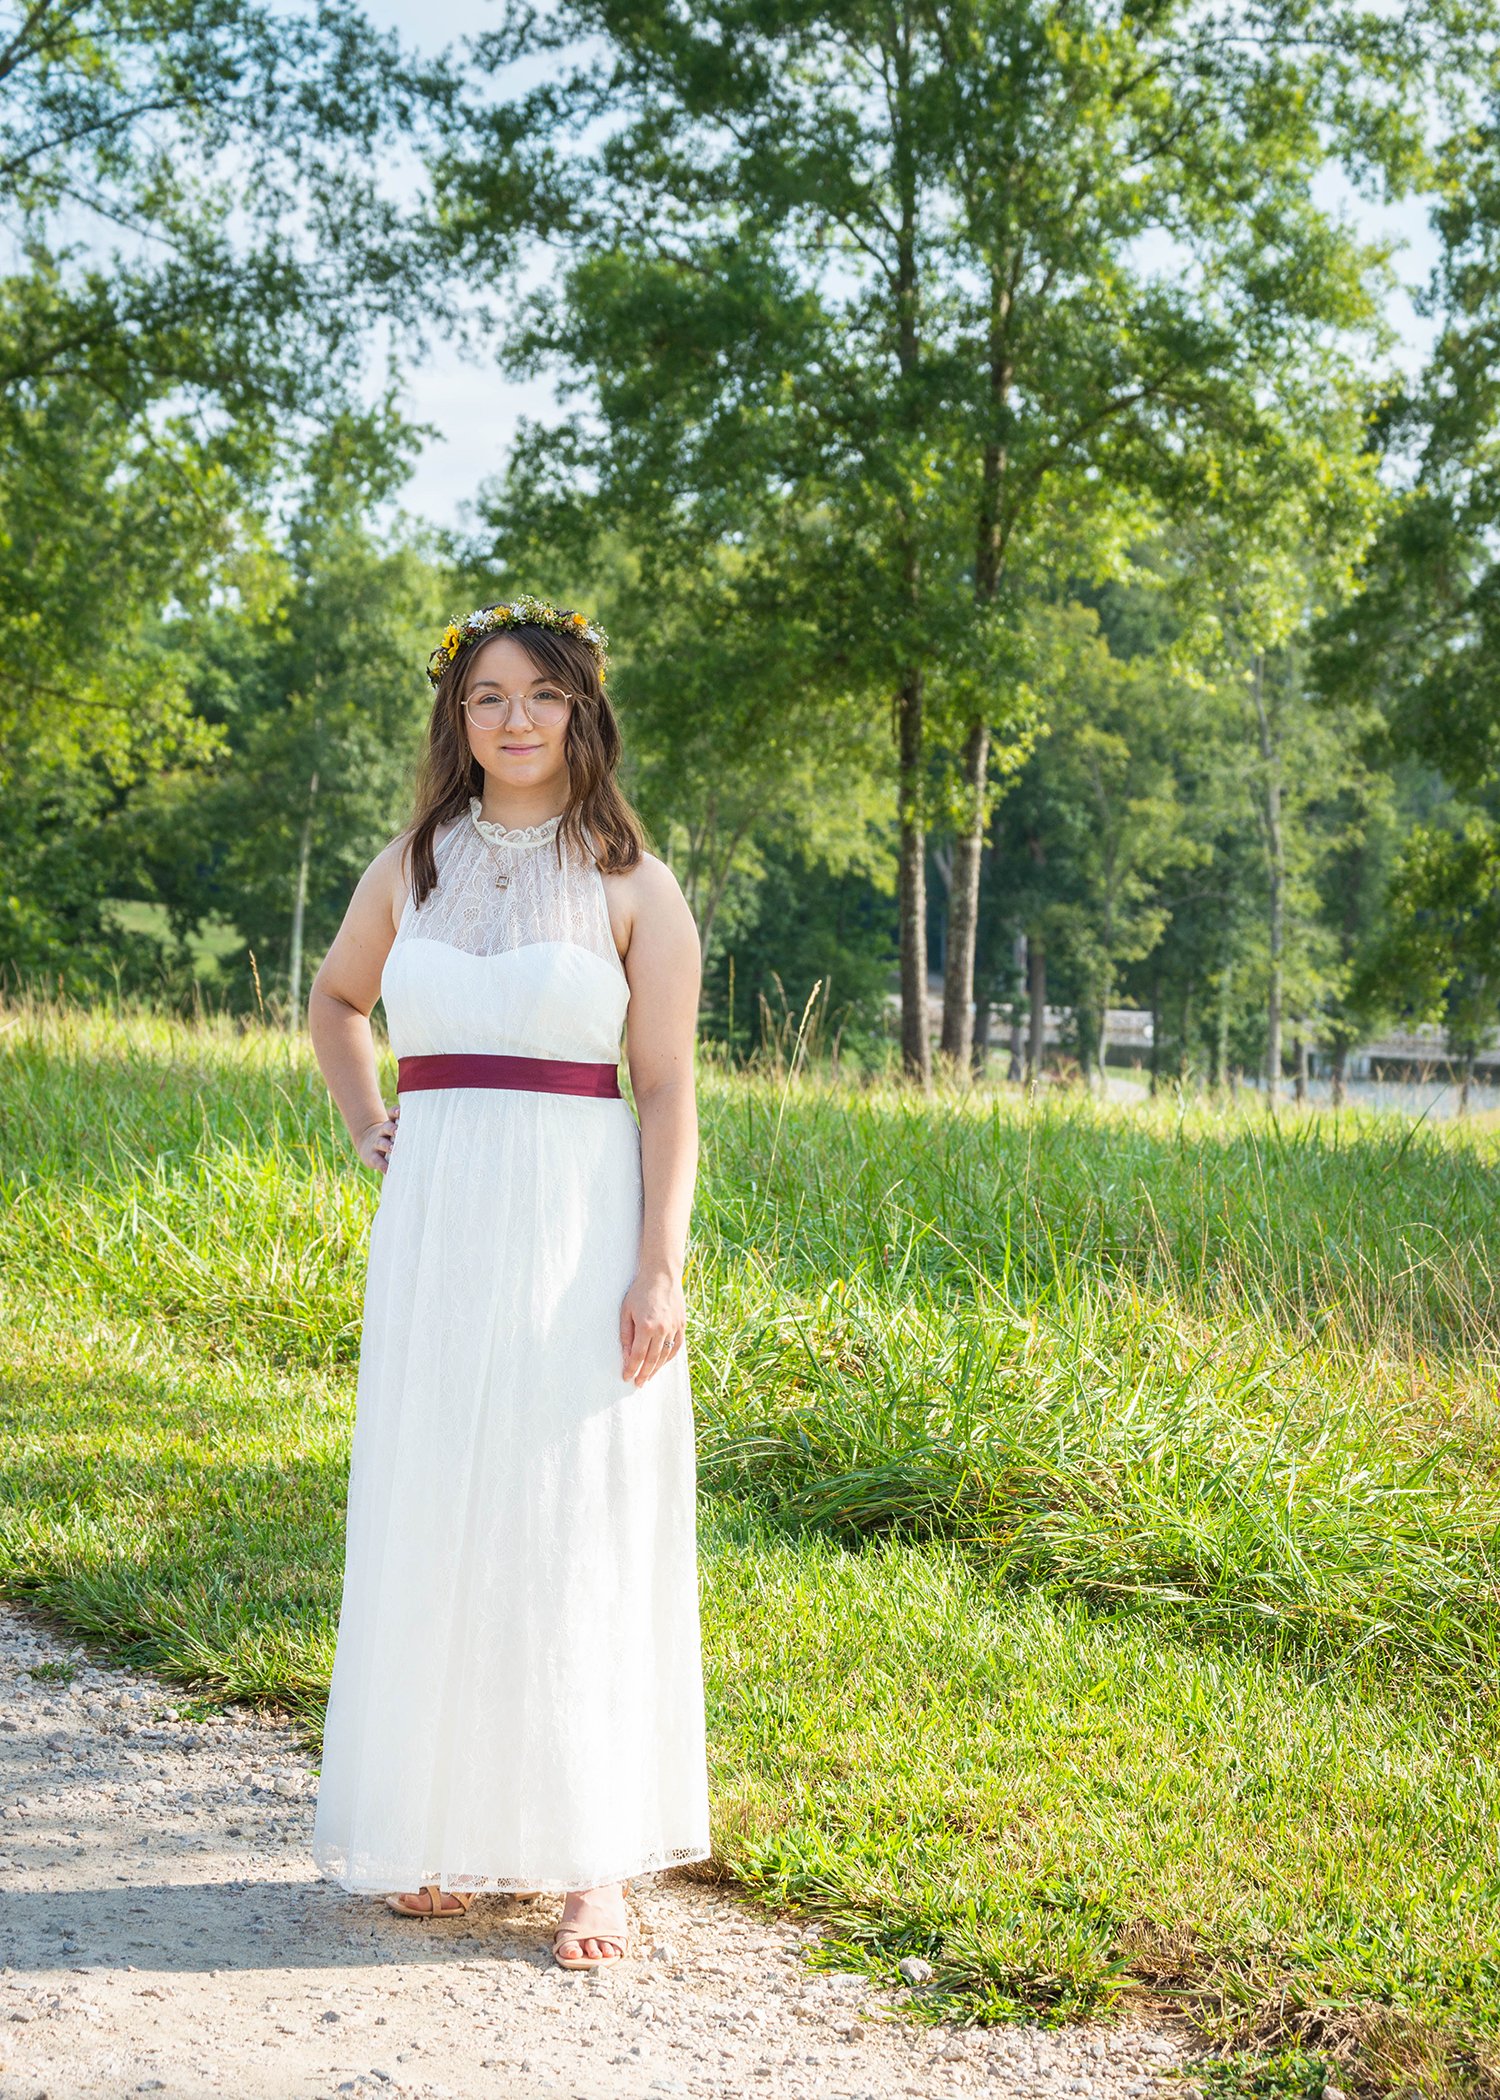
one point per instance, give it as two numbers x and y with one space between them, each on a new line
544 710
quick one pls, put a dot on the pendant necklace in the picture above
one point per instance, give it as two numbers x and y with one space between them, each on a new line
502 877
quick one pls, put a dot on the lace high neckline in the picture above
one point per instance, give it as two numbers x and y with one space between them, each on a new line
517 835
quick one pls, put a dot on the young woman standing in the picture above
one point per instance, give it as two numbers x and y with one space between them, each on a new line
517 1696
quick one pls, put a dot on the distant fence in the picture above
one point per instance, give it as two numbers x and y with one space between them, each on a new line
1404 1054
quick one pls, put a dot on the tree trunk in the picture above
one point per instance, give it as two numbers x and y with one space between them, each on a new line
718 883
1466 1080
1155 1064
1340 1072
916 1050
1017 1070
1276 876
980 1049
299 911
1299 1055
1218 1077
1036 991
963 907
989 563
1084 1018
1183 1051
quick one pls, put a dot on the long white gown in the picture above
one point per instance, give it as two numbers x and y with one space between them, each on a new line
517 1697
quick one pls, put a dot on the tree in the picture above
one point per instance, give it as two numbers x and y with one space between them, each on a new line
895 255
201 248
1094 827
1358 876
792 930
314 682
1421 640
1276 547
733 738
1442 938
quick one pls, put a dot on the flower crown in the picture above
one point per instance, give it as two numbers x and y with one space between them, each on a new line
520 612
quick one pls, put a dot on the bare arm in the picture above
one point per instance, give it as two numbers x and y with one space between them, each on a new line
664 966
340 1002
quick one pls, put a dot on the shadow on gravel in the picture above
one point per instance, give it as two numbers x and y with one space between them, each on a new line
202 1927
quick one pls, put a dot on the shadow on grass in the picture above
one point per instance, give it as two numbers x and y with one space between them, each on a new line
190 1529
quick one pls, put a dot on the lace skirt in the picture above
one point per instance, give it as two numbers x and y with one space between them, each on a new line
517 1695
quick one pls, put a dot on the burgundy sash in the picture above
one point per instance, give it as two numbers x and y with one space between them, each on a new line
533 1075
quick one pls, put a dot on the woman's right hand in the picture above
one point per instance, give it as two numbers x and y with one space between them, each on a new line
374 1145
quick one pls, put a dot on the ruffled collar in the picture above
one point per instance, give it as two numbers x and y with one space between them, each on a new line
518 835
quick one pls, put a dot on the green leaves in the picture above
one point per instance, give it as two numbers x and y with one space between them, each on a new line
202 248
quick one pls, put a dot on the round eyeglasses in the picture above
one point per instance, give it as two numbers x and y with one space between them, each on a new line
544 708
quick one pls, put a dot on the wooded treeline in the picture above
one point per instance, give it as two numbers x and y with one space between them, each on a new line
1024 553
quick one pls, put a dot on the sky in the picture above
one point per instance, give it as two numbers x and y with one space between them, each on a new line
475 410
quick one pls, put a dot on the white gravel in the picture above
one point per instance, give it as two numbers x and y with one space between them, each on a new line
163 1930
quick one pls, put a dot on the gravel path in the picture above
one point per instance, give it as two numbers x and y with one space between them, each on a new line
162 1930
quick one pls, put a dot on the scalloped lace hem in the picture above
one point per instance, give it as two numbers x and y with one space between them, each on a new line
373 1880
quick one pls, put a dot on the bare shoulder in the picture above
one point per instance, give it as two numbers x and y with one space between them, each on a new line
647 907
350 970
650 881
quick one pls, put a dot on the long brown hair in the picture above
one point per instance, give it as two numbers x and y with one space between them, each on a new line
597 821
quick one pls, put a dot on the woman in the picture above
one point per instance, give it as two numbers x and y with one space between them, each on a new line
517 1696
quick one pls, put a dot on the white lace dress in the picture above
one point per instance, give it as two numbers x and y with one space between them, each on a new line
517 1695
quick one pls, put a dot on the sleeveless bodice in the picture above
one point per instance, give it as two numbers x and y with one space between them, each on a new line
528 966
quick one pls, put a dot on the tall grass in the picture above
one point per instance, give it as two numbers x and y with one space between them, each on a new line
1183 1360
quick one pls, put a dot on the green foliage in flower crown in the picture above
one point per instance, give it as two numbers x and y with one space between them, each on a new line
519 612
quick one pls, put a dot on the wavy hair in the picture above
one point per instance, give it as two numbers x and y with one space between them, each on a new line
598 820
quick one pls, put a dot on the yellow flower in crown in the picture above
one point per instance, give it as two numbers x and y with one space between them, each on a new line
523 611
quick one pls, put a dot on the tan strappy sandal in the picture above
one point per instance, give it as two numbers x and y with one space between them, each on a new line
406 1906
580 1933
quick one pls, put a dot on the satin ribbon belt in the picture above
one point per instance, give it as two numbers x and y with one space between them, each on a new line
532 1075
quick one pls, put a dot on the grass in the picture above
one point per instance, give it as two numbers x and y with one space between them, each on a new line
209 947
1099 1523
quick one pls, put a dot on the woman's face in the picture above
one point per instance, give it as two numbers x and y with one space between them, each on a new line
513 749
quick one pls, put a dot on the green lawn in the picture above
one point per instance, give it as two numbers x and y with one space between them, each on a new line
1099 1522
212 945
